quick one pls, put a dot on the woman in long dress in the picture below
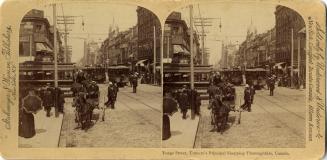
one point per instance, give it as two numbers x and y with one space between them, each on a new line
26 119
169 107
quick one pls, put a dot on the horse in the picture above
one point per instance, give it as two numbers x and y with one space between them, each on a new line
83 111
220 113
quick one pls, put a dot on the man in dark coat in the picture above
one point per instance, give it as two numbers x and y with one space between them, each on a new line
134 83
183 102
47 98
211 91
271 85
252 89
58 101
195 101
92 96
116 90
111 96
247 99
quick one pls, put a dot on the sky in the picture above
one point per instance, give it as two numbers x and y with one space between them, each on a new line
97 19
235 20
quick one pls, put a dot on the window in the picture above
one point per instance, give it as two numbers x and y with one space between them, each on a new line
24 49
38 28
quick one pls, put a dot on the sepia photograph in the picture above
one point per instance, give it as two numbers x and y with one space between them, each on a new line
163 79
89 76
234 77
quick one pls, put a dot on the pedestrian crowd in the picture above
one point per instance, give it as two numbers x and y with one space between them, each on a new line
183 99
51 97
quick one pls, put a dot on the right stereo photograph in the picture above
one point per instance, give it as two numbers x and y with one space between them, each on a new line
234 76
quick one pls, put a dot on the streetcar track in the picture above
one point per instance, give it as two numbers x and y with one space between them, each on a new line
278 105
155 109
283 96
280 121
273 102
140 115
148 94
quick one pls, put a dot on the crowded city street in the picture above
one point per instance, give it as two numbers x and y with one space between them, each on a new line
135 121
274 121
135 84
88 85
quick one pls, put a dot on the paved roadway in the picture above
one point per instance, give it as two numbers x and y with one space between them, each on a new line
135 121
275 121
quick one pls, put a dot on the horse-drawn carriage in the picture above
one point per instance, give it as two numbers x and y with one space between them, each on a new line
83 110
221 102
86 99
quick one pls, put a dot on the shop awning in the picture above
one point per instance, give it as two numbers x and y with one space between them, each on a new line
256 69
179 49
41 47
118 67
302 30
140 62
279 65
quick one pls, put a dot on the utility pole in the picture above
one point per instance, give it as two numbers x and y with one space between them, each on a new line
168 46
192 64
66 20
292 58
154 54
55 45
191 47
31 46
245 63
204 22
65 38
55 56
161 60
298 58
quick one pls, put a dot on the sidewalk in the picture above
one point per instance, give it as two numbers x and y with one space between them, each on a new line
47 131
183 132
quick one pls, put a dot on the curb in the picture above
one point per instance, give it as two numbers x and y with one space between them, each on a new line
62 121
196 132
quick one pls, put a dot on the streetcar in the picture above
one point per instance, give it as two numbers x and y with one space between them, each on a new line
39 74
254 76
96 73
177 75
233 76
119 74
257 77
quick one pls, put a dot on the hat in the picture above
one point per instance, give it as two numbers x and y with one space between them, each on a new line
246 86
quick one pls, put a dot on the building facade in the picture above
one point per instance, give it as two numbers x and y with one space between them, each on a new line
177 39
36 38
119 48
92 51
290 40
258 50
147 25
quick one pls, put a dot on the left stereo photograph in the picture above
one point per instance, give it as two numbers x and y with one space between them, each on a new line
86 81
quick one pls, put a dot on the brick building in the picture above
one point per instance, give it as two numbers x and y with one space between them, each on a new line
36 38
146 21
257 51
119 48
289 21
177 39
